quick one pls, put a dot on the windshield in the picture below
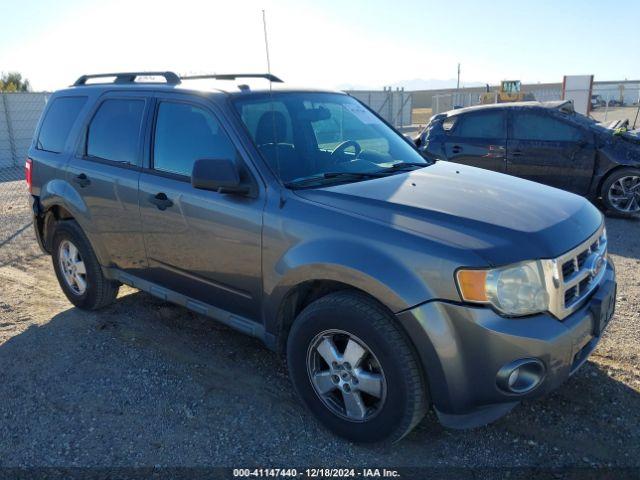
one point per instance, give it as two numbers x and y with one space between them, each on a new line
325 136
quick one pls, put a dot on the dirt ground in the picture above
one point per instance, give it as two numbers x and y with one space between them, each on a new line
146 383
606 116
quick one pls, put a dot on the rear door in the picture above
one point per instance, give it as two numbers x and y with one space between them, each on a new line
203 244
478 139
105 172
550 150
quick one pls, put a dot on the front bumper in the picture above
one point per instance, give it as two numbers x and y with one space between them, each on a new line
462 348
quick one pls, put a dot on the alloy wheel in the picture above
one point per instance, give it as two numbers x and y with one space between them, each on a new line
624 194
72 267
346 375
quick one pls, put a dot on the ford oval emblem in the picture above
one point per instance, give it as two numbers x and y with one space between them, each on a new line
595 265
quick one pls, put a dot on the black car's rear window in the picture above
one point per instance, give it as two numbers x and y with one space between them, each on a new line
57 123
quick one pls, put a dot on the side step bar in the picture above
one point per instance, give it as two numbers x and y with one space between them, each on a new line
242 324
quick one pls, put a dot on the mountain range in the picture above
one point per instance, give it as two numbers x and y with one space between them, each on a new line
414 84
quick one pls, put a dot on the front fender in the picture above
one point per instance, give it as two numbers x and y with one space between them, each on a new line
358 264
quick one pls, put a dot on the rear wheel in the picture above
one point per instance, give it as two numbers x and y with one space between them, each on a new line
621 192
78 270
355 370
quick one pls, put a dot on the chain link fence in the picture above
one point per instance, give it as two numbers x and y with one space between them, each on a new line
19 114
609 102
614 105
449 101
394 106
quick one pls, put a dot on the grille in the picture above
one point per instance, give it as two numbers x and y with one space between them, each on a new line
581 270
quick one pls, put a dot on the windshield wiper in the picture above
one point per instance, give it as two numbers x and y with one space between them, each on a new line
305 181
406 165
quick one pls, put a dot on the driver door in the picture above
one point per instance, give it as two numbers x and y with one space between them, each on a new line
203 244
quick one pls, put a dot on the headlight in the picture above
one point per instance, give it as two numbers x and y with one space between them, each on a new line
513 290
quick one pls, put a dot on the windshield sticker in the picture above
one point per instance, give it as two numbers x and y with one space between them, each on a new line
364 115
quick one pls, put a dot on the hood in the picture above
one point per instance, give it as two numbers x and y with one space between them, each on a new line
503 219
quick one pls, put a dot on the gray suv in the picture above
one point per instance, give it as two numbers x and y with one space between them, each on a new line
389 282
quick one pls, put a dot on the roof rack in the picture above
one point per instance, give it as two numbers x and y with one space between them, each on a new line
130 77
233 76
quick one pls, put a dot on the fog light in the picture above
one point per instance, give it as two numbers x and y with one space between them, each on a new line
521 376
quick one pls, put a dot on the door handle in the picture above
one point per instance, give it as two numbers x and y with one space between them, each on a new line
82 180
161 201
456 149
517 153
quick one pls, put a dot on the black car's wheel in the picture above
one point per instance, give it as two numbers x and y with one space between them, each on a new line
355 370
621 192
78 270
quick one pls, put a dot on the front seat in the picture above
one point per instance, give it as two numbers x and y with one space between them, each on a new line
270 137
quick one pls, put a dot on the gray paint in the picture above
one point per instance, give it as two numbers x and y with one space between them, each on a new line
400 239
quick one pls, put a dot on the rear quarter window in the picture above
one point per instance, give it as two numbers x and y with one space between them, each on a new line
448 123
57 123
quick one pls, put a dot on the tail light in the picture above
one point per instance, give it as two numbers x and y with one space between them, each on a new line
28 171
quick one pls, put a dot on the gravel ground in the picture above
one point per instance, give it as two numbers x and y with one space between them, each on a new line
146 383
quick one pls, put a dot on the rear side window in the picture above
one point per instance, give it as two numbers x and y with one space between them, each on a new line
57 123
114 132
484 125
186 133
531 126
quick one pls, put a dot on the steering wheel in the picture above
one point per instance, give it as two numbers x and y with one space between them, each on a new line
338 153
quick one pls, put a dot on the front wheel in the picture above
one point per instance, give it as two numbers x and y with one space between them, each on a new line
621 192
355 370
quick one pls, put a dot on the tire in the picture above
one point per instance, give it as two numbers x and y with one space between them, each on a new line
611 192
400 399
98 291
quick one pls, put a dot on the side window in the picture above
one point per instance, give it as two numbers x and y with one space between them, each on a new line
57 123
482 125
186 133
114 131
531 126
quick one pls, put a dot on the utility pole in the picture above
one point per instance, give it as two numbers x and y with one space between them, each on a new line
458 84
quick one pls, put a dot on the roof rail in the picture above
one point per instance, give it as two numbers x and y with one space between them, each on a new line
233 76
129 77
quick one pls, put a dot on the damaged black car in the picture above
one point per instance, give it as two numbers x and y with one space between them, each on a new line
546 142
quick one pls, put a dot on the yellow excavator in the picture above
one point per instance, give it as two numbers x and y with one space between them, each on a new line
510 91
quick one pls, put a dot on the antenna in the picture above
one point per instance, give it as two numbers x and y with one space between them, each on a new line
273 113
266 41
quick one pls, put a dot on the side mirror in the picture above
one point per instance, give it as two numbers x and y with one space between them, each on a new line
217 174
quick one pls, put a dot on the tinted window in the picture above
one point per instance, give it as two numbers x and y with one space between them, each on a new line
531 126
114 132
58 122
485 125
185 133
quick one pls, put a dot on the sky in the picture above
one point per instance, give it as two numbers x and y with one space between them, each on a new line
323 43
